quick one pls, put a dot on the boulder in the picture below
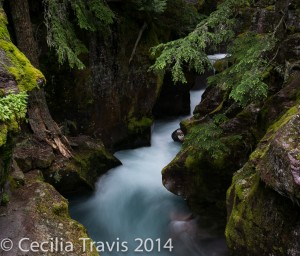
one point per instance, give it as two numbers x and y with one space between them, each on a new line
178 135
32 154
37 212
263 200
81 172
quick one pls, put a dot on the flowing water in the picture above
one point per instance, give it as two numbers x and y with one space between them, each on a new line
131 213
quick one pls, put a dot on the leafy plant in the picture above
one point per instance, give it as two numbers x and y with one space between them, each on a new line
13 107
252 55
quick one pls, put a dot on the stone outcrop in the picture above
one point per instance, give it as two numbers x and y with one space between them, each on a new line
262 202
37 212
90 160
263 198
31 208
113 98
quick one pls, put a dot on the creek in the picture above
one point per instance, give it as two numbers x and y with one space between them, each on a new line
131 213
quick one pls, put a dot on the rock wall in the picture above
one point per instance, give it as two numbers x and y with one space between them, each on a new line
37 212
262 202
263 195
113 98
30 207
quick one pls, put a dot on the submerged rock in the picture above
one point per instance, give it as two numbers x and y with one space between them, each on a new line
178 135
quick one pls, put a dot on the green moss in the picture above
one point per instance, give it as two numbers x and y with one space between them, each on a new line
244 186
25 74
281 122
3 134
259 153
4 199
262 149
139 125
20 67
60 209
270 8
190 162
3 22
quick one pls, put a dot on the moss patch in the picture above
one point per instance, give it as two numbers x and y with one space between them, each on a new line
20 67
139 125
3 134
4 199
260 222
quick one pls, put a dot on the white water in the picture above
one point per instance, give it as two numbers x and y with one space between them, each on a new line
130 202
218 56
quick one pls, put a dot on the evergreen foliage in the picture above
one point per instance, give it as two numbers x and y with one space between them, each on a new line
190 50
91 15
249 54
251 63
208 139
204 139
156 6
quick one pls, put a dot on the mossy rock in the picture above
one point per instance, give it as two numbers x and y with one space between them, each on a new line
260 221
38 212
16 75
15 62
81 172
139 125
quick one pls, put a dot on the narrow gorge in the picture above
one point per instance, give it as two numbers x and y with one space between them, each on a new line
92 94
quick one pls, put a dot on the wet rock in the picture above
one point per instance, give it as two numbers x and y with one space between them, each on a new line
32 154
38 212
173 100
260 221
79 173
212 98
17 175
277 159
257 212
178 135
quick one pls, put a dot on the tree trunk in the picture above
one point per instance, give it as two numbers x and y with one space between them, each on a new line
43 126
23 29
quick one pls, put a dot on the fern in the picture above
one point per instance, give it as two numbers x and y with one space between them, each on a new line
13 107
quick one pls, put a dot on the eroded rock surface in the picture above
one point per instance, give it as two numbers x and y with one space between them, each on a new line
37 212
